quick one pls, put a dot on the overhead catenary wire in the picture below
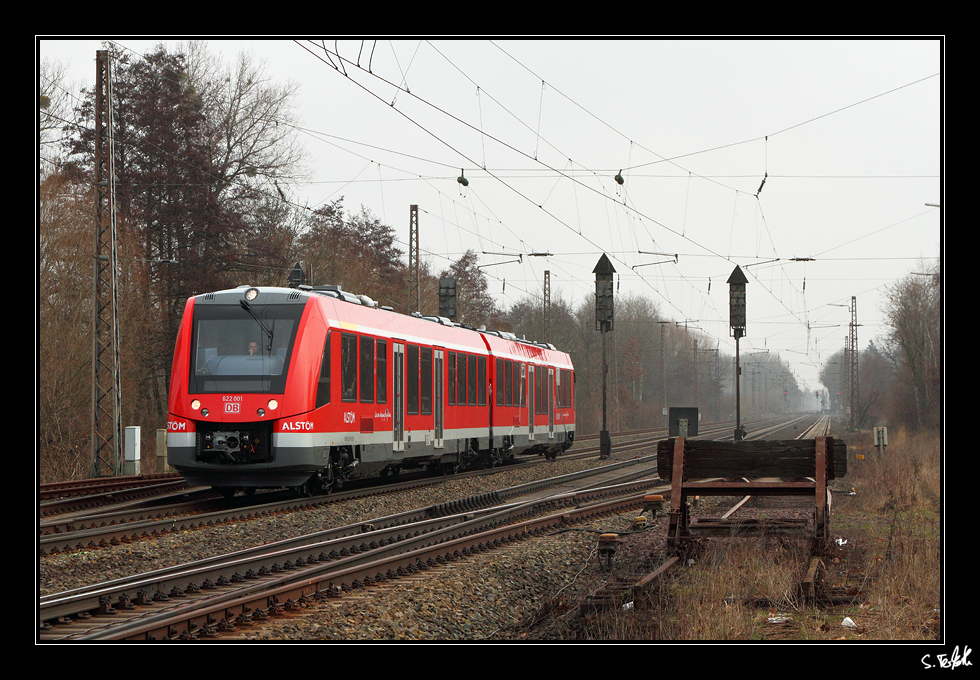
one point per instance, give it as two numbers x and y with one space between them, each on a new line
579 230
541 136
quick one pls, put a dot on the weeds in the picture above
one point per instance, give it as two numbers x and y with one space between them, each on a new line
886 553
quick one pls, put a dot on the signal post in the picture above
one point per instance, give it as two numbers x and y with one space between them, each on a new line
604 323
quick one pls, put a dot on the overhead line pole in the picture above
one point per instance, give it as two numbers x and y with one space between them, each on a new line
106 397
853 366
547 305
414 268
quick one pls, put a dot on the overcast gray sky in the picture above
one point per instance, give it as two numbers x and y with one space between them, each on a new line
847 135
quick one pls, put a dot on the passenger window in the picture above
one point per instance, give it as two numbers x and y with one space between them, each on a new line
348 367
538 384
323 383
471 381
519 379
481 394
367 369
451 381
500 382
382 372
461 379
412 379
425 376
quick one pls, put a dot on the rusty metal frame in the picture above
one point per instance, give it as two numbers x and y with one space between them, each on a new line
681 530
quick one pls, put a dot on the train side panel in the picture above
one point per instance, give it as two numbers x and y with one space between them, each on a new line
533 407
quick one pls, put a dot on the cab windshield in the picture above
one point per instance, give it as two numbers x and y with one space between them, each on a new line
238 351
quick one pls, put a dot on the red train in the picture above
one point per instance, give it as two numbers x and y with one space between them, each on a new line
307 387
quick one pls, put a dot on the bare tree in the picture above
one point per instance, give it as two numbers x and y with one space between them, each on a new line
54 108
913 316
474 304
64 315
876 376
250 128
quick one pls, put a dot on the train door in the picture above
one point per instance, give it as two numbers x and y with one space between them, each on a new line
531 392
551 403
438 406
398 401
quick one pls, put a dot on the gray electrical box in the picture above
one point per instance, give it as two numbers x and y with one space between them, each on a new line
682 421
132 450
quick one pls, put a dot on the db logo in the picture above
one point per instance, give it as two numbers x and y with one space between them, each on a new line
233 407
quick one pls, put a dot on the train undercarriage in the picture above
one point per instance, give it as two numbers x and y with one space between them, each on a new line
244 461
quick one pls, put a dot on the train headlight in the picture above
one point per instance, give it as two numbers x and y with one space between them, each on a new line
273 404
251 294
196 404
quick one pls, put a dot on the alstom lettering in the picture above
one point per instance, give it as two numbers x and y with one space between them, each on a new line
304 426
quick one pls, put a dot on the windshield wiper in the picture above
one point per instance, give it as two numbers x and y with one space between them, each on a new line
268 331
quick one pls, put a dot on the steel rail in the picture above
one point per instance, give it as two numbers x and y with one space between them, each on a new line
256 564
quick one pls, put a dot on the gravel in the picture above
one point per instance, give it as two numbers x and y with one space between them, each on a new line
489 596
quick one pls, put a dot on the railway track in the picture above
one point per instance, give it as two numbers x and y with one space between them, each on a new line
624 588
102 485
202 600
202 508
208 599
158 513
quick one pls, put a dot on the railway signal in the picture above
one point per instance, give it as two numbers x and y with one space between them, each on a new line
297 277
736 312
447 297
604 323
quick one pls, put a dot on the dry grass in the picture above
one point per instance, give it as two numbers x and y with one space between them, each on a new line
887 513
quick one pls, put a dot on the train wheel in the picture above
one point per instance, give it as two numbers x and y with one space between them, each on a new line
328 481
311 487
226 491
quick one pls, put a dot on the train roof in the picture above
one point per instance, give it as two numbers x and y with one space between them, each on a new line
359 312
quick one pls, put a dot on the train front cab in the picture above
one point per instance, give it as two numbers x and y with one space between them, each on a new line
238 383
